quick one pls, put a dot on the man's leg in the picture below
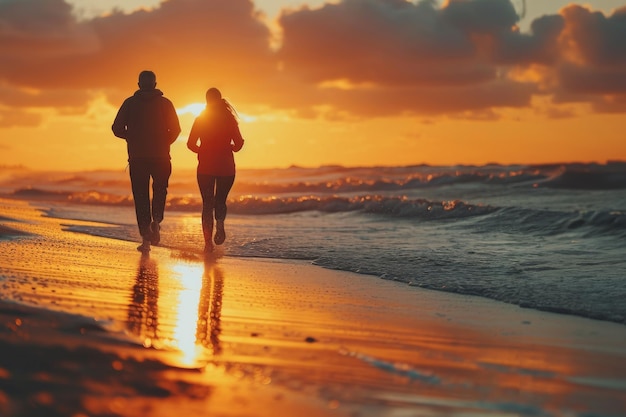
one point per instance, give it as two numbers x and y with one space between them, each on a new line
140 183
161 170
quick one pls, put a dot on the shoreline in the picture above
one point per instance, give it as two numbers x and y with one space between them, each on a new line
106 330
70 224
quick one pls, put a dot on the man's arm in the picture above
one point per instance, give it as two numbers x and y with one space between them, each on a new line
120 122
173 125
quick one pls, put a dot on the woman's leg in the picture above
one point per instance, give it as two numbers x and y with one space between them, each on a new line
206 183
222 188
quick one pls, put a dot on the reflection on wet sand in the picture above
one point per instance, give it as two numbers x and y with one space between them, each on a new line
343 345
188 316
143 309
210 308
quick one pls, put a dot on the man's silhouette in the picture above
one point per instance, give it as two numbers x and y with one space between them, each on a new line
149 124
143 308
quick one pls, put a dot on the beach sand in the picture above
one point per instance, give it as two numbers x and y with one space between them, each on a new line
91 327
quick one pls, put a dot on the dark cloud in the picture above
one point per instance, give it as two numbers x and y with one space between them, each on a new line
593 67
35 34
480 16
386 42
398 42
577 56
435 100
23 97
581 79
191 42
599 40
410 51
540 46
355 58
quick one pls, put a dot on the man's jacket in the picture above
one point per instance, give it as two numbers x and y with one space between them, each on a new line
149 123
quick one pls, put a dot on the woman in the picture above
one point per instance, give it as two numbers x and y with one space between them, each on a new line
214 137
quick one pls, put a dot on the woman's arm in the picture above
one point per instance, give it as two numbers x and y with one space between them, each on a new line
237 140
192 141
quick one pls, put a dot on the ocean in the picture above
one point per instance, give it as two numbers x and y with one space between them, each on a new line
547 237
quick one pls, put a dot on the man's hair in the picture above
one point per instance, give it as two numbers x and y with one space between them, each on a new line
147 79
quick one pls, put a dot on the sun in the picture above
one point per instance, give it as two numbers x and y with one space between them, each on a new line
193 108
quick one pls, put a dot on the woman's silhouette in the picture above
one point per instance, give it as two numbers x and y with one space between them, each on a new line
209 327
214 137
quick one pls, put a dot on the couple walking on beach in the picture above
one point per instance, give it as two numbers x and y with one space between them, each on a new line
148 122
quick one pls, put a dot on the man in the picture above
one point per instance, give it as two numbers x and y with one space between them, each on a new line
149 124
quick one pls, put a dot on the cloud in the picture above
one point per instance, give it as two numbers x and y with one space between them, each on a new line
434 100
597 40
37 35
540 46
17 97
191 43
384 42
354 58
463 56
480 16
430 59
17 117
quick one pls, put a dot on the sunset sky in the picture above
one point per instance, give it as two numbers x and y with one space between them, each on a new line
350 82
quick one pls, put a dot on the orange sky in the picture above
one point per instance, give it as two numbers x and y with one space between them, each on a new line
355 82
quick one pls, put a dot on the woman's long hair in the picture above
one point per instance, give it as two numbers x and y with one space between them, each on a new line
214 95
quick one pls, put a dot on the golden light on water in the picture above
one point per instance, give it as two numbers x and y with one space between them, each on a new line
180 310
186 321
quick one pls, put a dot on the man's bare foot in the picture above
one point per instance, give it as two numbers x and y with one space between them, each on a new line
144 247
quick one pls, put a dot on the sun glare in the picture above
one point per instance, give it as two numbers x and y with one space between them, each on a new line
193 108
196 108
185 339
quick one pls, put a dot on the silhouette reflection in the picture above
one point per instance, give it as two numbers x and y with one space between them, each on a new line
210 308
191 306
143 309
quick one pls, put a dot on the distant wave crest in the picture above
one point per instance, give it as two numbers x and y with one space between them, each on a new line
87 197
414 181
389 206
588 177
399 179
400 207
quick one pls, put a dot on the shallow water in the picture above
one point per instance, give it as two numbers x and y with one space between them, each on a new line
546 237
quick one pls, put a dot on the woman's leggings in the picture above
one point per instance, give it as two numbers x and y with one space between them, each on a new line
214 191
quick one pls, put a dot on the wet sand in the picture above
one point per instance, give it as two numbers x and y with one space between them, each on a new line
90 327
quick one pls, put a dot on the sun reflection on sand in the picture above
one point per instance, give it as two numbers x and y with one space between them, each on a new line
184 337
180 310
